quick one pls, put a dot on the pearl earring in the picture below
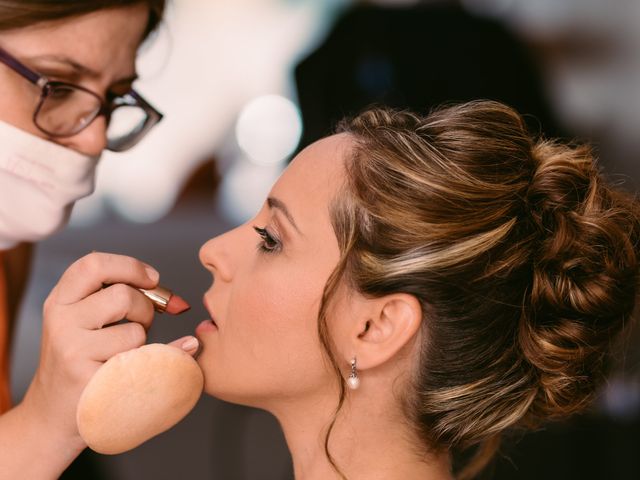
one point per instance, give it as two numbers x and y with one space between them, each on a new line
353 381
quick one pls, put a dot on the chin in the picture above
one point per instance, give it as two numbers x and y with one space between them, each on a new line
239 394
244 398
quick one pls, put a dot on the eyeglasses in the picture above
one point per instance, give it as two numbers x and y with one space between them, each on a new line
65 109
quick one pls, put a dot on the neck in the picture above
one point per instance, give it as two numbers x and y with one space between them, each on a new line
367 442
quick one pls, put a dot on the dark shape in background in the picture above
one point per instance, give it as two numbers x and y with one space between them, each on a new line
417 58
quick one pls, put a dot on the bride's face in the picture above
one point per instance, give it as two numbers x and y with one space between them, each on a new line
268 279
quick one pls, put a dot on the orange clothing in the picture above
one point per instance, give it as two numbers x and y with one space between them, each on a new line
14 270
5 396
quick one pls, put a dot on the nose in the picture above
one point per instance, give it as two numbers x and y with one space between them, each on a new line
90 141
217 255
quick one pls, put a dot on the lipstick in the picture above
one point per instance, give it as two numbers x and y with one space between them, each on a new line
164 300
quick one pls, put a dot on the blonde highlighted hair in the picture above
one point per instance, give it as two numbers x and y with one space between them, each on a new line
522 256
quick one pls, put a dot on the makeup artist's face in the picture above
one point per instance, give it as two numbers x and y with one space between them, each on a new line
268 279
96 51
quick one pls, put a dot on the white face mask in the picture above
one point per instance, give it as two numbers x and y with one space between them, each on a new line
39 183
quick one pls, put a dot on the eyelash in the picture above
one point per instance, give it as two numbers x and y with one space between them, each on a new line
269 242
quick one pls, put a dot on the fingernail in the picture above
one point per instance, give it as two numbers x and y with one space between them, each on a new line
152 273
190 345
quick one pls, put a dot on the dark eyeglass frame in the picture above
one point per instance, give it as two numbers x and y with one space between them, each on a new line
46 86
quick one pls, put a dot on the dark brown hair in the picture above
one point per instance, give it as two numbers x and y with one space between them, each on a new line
522 256
21 13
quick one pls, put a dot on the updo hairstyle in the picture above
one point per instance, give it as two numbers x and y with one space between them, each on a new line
523 258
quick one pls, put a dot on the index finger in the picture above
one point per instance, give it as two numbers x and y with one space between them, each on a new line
88 275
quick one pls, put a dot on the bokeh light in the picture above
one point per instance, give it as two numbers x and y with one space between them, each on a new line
269 129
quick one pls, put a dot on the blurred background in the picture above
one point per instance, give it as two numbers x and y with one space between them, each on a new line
245 84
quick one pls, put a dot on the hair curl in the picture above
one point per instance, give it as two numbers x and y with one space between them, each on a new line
522 256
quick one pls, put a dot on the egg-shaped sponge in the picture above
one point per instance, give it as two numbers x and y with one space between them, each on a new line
137 395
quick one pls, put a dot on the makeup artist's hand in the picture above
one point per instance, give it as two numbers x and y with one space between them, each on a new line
74 342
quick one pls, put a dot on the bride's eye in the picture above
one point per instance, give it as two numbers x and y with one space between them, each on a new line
269 243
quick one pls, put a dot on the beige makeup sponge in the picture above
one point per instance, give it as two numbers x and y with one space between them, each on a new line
136 395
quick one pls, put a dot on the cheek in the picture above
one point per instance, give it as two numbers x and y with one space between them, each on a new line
270 339
275 317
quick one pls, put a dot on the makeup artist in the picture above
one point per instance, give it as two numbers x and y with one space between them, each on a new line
66 74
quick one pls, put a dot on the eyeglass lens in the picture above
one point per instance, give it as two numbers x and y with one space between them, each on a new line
66 110
126 123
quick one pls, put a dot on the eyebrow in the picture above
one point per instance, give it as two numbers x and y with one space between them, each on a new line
78 68
275 203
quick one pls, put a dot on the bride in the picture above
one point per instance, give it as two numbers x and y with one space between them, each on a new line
416 285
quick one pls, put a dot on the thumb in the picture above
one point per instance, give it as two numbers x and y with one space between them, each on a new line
188 344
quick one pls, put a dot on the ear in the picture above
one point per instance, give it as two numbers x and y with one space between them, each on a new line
385 325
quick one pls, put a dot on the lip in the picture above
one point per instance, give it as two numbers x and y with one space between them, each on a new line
208 309
206 326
